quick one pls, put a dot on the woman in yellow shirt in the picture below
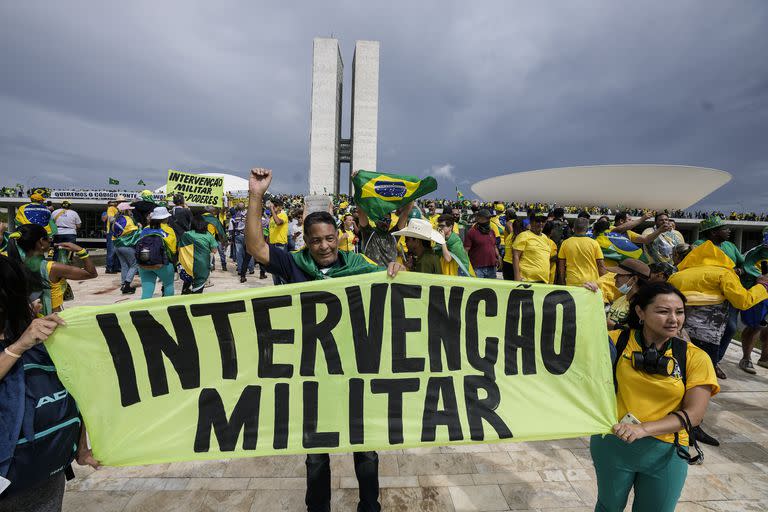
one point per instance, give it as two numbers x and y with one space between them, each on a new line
667 400
513 228
347 234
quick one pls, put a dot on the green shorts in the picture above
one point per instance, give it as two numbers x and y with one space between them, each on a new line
651 466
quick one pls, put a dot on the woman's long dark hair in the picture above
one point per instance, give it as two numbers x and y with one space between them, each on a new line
19 249
645 296
15 310
29 235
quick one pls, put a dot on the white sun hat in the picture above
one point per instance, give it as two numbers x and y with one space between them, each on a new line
159 213
420 228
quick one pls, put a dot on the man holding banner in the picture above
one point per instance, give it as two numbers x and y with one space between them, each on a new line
320 259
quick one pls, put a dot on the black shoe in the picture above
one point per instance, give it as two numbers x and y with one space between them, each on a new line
243 279
705 438
224 269
251 272
262 276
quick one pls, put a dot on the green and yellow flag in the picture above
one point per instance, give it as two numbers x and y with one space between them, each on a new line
113 181
378 193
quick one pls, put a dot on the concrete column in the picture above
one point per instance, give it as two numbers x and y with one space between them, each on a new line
11 218
737 238
327 74
365 105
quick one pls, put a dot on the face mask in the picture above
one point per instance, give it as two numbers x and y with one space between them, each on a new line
624 289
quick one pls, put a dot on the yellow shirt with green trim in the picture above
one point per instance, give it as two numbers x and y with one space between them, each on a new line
651 397
278 233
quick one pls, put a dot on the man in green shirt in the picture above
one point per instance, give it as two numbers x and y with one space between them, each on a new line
717 231
419 236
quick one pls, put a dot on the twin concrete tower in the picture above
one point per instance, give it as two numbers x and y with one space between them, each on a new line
328 150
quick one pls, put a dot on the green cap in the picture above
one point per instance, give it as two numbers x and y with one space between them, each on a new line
712 222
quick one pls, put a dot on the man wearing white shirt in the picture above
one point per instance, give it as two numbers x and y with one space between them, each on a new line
67 223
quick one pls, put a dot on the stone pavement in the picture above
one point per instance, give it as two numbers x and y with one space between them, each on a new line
547 475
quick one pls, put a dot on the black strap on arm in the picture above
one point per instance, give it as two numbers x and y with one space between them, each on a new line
621 344
685 422
680 353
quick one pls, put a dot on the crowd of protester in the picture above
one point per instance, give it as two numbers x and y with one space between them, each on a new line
672 305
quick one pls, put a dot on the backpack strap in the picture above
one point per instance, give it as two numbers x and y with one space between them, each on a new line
621 344
680 353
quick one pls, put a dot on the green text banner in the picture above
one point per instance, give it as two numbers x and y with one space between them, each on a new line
350 364
196 188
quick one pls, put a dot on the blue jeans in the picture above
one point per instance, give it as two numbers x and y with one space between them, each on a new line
128 266
275 278
730 330
241 254
112 262
149 277
222 257
486 272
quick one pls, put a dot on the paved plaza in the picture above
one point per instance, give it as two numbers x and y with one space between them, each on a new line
547 475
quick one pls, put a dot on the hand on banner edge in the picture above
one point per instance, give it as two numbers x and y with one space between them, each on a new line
85 458
395 267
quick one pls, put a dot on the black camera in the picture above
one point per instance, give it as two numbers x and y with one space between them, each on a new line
651 361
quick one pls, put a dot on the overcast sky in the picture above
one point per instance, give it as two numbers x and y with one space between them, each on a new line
90 90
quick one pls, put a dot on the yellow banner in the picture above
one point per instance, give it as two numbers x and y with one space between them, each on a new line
197 189
350 364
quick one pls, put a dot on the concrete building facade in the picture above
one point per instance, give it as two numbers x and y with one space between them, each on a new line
328 149
325 131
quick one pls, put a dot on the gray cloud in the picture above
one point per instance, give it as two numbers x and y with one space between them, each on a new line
134 88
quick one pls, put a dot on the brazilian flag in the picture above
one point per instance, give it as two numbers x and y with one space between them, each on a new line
113 181
459 195
194 251
36 213
618 247
215 227
378 193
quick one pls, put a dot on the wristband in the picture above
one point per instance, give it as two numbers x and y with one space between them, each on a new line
82 254
12 354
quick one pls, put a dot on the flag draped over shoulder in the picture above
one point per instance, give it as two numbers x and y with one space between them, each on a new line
36 213
617 247
378 193
215 227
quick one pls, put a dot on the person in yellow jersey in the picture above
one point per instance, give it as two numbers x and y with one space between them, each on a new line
532 253
348 233
548 225
580 257
278 229
514 227
663 387
432 214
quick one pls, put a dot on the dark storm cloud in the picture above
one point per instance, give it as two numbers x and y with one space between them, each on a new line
467 91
